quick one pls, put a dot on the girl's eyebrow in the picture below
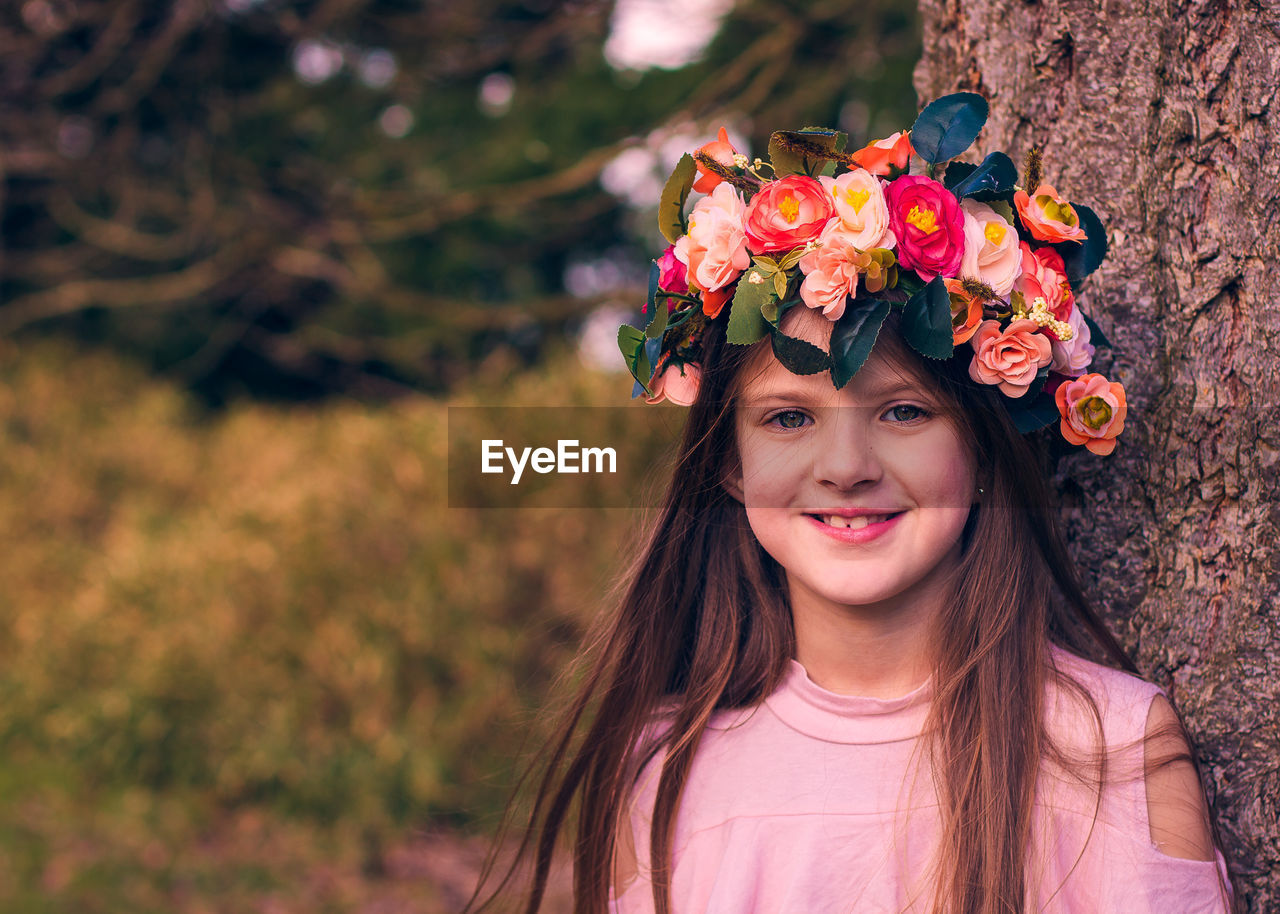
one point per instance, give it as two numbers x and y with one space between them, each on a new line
791 395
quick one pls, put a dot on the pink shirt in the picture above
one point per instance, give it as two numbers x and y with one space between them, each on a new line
812 802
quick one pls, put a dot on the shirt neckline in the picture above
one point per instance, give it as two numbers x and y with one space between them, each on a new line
808 708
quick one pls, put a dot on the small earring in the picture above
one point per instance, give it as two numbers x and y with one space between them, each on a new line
981 490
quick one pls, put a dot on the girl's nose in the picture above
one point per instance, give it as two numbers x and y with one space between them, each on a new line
843 454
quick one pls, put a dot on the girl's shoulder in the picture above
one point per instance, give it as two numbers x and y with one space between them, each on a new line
1123 700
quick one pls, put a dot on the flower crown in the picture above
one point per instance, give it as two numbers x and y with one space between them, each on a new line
980 268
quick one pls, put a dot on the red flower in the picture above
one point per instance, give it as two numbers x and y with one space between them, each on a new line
786 213
720 150
929 225
878 157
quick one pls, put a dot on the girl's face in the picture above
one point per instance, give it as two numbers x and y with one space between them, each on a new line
860 494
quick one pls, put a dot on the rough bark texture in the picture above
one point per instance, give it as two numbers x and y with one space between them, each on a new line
1163 117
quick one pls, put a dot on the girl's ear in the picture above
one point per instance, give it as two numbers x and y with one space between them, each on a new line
733 485
732 482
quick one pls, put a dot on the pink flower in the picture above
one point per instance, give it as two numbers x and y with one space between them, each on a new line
673 276
928 224
891 152
679 385
1047 216
1010 357
786 213
1045 275
723 152
991 252
859 201
1073 356
715 250
1092 410
830 272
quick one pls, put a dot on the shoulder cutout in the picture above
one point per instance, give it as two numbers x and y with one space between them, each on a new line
1176 808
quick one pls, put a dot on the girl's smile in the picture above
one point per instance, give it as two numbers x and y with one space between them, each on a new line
860 494
855 528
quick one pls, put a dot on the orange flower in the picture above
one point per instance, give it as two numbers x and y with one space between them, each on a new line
714 300
1048 216
966 312
1092 410
878 157
723 152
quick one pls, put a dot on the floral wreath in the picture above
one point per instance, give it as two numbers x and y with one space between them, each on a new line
980 268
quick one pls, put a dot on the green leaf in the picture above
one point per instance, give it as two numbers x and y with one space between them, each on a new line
1037 385
1096 336
948 126
909 283
854 335
658 326
926 320
657 309
798 356
632 343
1083 257
993 178
1004 208
809 152
957 172
1040 411
746 323
671 219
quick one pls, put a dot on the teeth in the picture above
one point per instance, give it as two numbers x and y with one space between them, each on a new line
853 523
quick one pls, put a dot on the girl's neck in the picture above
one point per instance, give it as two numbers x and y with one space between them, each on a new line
849 650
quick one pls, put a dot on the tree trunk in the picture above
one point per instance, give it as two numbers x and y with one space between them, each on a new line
1160 116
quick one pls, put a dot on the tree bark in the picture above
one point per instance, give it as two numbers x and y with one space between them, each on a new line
1160 116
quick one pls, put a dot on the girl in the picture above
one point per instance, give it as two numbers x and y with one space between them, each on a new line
849 669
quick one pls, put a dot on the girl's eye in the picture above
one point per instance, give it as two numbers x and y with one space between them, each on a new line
907 412
789 418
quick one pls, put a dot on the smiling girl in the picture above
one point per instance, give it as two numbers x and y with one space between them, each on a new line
854 668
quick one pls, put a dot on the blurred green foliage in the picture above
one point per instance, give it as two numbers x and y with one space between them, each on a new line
273 608
175 188
242 650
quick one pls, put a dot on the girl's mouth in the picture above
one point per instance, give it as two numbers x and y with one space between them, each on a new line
855 530
854 523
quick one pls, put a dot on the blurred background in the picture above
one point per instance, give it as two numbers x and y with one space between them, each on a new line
252 250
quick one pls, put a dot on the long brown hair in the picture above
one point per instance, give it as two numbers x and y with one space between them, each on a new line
703 624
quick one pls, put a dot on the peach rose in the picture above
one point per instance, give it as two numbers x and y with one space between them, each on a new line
991 252
1045 275
1092 410
891 152
1009 358
1073 356
966 312
786 213
715 250
830 272
860 208
1047 216
679 386
723 152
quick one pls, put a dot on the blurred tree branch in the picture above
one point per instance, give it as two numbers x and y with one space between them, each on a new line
215 183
